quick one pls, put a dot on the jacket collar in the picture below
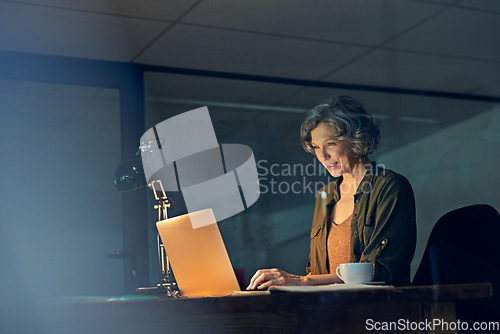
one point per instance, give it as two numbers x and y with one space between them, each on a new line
367 181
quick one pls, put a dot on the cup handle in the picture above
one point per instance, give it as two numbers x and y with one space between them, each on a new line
338 273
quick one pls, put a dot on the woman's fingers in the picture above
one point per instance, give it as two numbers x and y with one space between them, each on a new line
253 281
260 277
266 278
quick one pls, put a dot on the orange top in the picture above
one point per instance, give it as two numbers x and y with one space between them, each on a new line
339 243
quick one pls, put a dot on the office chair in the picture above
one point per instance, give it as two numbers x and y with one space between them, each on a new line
463 247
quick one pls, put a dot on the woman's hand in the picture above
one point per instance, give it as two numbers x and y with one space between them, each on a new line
265 278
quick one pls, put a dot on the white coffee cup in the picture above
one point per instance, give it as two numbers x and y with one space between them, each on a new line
350 273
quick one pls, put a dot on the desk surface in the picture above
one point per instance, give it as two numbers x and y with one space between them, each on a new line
284 312
294 301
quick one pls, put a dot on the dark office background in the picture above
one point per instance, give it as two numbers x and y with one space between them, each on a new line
80 81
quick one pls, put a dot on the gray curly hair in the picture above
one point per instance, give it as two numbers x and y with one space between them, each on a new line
350 120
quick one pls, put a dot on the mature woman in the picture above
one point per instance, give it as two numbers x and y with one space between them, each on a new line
366 215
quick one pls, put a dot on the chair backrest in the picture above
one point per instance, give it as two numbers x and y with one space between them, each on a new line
463 248
472 227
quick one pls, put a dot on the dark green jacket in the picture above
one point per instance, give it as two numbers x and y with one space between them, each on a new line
383 226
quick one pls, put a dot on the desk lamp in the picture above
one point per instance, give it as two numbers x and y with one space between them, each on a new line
129 175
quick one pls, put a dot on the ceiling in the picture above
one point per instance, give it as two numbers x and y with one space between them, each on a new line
439 45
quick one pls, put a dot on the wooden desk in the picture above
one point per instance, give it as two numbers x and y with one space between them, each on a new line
342 311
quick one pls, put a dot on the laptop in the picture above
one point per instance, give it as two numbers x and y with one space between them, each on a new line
197 255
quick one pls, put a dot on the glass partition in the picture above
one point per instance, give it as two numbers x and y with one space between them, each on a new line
61 215
447 148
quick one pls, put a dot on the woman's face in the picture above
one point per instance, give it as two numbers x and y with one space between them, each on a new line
332 153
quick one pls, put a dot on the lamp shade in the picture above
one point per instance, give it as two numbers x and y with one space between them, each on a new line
129 175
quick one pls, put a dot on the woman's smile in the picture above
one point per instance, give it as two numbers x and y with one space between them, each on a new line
331 166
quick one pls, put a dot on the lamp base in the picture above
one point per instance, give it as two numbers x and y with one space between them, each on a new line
167 290
151 291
